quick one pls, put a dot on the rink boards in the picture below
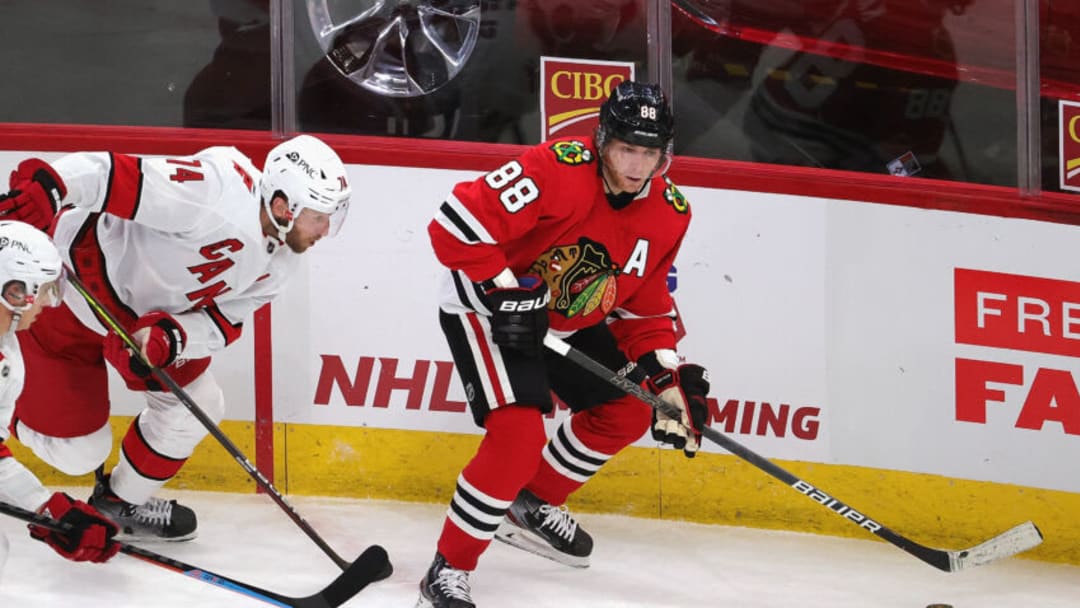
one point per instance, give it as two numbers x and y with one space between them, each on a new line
919 365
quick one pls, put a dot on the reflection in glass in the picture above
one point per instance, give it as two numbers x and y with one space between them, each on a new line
125 62
232 91
495 95
398 48
865 86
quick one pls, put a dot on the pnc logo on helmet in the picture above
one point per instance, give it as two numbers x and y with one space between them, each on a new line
5 242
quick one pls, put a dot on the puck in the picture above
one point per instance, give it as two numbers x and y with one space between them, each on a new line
939 606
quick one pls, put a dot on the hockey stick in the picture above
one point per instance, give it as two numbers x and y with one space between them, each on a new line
1012 541
212 427
356 576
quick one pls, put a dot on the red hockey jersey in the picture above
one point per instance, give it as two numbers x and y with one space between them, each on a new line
545 213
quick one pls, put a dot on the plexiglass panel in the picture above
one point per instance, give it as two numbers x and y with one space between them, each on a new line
449 69
1059 59
133 62
910 87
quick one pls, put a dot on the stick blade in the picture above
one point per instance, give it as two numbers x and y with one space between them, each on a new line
1015 540
372 565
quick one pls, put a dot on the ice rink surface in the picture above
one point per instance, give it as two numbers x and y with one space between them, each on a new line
636 563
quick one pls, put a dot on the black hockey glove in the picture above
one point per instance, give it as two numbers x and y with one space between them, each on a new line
519 318
685 388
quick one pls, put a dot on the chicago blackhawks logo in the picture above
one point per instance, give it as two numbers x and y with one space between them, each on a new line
675 198
571 152
580 277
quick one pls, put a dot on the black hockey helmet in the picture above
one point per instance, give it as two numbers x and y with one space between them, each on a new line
638 114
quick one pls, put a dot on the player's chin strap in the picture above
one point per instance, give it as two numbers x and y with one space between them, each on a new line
622 199
16 317
282 231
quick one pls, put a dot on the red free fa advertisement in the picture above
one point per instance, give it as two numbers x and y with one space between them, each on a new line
1015 314
571 91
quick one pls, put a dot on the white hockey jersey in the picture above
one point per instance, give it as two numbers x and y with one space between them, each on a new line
180 235
18 485
12 376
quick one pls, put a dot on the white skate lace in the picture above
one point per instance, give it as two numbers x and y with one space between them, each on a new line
454 583
155 512
559 520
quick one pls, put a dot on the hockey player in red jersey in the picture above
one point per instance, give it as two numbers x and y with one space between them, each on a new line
575 238
31 278
181 251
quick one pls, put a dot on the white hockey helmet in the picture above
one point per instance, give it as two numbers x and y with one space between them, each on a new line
28 256
308 173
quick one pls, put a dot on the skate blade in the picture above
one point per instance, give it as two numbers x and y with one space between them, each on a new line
422 602
137 538
527 541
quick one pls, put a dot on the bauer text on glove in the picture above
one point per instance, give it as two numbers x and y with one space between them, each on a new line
519 318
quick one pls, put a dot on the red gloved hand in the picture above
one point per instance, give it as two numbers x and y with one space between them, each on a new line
160 338
35 196
88 536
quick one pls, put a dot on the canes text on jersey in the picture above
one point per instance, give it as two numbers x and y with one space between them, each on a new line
218 262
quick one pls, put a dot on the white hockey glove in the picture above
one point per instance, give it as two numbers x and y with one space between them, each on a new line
685 387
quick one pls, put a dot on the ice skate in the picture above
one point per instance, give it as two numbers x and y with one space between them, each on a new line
549 531
444 587
155 520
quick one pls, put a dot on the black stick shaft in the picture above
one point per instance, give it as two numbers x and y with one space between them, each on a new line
210 425
1019 538
357 576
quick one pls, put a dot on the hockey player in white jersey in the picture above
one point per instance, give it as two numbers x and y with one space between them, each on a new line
181 251
31 278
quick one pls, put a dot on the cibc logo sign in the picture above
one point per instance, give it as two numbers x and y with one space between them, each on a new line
571 91
1014 315
1069 136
